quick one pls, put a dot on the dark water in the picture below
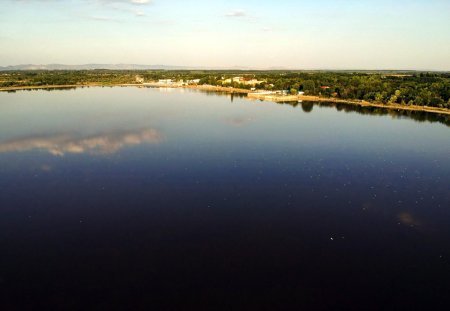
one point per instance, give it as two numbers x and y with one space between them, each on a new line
141 199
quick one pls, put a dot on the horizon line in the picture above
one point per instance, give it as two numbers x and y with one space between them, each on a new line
184 67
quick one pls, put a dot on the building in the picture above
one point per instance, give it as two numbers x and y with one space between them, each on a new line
234 79
243 80
251 82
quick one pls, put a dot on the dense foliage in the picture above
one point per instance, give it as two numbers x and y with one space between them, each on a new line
424 89
407 88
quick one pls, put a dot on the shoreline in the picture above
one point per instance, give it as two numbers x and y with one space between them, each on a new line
231 90
364 103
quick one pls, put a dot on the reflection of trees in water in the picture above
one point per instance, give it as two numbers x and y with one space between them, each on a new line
307 106
290 103
219 93
418 116
48 89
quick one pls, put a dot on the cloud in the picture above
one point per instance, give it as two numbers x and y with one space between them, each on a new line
102 18
139 13
140 1
123 6
136 2
133 2
236 13
61 144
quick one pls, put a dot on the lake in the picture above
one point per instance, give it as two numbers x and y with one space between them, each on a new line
132 198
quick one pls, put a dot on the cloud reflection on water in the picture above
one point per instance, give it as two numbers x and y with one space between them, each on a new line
408 219
239 121
61 144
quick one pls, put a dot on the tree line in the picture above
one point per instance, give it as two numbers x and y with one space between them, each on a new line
406 88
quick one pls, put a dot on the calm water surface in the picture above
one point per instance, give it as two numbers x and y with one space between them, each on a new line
132 198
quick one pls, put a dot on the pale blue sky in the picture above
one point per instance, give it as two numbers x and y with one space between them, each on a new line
320 34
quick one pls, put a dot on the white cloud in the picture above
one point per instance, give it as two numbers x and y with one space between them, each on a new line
140 1
236 13
102 18
103 1
129 2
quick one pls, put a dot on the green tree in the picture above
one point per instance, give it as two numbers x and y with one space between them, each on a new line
309 87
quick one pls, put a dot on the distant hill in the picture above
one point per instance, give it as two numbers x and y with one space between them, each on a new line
168 67
92 67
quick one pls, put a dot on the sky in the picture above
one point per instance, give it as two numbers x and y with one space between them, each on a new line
262 34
